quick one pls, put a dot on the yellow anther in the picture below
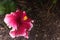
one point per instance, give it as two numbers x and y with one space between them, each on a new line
25 17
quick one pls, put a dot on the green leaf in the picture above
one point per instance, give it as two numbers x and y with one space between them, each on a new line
2 10
7 6
54 1
12 6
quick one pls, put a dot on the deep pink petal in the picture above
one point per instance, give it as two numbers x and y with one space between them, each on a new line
16 33
10 20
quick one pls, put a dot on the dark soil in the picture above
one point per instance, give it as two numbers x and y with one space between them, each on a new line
46 24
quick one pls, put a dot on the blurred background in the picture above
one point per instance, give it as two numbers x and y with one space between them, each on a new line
45 13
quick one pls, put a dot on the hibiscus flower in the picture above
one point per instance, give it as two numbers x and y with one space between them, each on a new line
19 22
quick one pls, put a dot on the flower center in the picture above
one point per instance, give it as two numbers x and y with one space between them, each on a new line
25 18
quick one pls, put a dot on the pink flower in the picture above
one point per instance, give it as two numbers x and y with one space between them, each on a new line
19 22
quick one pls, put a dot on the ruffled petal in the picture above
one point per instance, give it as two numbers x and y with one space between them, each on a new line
10 21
